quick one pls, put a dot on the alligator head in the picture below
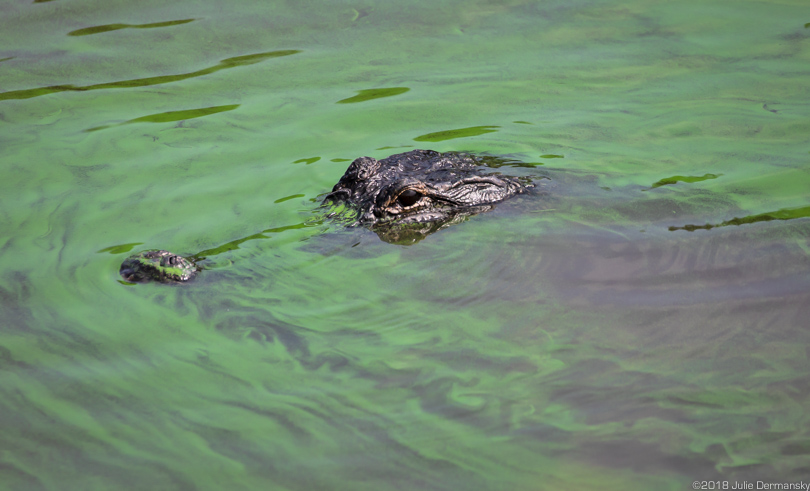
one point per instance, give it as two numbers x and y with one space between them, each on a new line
407 196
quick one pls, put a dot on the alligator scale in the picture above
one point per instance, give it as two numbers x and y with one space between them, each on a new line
402 198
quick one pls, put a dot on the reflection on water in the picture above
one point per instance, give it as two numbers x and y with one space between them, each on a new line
413 232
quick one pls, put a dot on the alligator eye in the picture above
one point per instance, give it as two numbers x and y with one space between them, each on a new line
408 198
168 260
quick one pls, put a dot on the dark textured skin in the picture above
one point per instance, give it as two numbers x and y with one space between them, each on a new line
403 198
420 186
162 266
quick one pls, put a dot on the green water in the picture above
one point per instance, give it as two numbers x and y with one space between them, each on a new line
638 323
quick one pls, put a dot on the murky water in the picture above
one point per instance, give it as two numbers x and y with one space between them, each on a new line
639 322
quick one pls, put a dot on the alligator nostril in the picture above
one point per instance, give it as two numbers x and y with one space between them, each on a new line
409 197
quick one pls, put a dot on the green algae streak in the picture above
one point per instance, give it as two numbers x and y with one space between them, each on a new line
688 179
145 82
783 214
171 116
371 94
114 27
453 134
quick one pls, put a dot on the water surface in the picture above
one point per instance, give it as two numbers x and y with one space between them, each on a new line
639 322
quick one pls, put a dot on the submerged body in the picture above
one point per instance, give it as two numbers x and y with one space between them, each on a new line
157 265
403 198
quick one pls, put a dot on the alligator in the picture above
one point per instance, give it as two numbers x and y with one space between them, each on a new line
402 198
158 265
